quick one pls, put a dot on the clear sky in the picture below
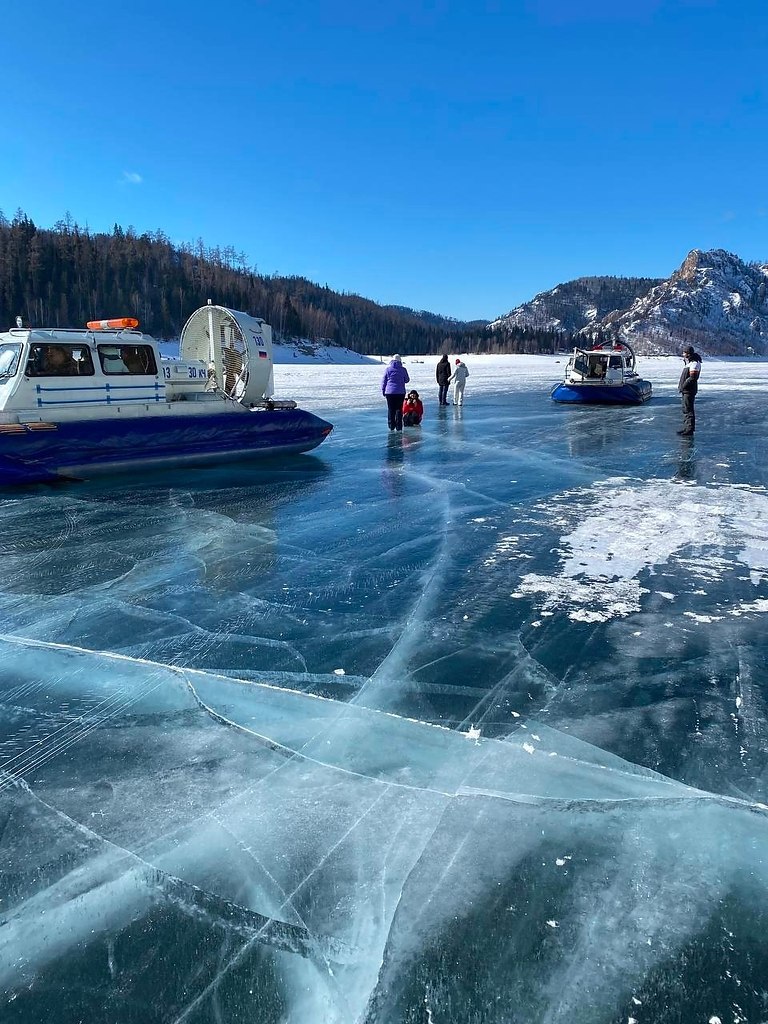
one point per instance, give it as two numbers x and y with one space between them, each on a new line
451 155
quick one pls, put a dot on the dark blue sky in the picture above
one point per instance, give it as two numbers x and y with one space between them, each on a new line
450 156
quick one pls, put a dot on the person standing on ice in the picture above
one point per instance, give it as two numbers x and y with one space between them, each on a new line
459 378
688 386
442 376
393 388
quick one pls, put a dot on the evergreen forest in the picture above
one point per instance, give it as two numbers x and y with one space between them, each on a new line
66 275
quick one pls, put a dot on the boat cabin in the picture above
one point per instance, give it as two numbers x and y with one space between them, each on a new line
599 366
110 367
74 370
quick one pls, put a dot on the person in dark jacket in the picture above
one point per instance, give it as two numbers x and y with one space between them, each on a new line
413 409
393 388
688 386
442 376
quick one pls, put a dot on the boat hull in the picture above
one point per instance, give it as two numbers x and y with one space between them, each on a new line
603 394
81 449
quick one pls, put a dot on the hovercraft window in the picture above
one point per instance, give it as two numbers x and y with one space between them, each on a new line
59 361
580 365
122 359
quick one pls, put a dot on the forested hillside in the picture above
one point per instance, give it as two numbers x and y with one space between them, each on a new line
66 275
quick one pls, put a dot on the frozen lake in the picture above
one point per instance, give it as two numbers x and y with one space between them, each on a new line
463 724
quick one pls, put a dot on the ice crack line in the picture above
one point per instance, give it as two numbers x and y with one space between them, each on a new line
236 959
101 894
384 679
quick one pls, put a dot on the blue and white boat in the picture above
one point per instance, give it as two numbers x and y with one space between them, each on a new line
77 403
603 376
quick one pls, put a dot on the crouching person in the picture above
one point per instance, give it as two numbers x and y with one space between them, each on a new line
413 409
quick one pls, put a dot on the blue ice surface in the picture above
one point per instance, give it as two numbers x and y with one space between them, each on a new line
463 723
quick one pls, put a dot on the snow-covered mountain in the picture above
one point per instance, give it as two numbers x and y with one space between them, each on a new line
576 304
715 301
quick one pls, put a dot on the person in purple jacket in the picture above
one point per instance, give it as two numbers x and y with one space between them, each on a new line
393 388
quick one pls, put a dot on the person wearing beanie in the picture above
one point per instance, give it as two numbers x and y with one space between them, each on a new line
459 379
688 387
393 388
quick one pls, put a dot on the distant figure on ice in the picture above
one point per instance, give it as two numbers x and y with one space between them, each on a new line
413 409
442 376
688 386
459 378
393 388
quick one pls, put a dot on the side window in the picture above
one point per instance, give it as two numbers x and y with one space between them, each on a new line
127 359
59 361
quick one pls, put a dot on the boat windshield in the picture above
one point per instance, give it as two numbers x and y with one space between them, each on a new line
580 364
597 366
9 359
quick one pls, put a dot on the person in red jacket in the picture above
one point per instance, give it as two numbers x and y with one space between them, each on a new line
413 410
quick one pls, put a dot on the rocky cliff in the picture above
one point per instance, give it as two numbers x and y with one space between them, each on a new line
715 301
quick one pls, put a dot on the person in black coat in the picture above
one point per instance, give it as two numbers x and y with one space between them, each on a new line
688 386
443 375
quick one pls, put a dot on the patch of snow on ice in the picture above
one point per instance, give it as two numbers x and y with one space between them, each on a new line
761 605
595 601
599 567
